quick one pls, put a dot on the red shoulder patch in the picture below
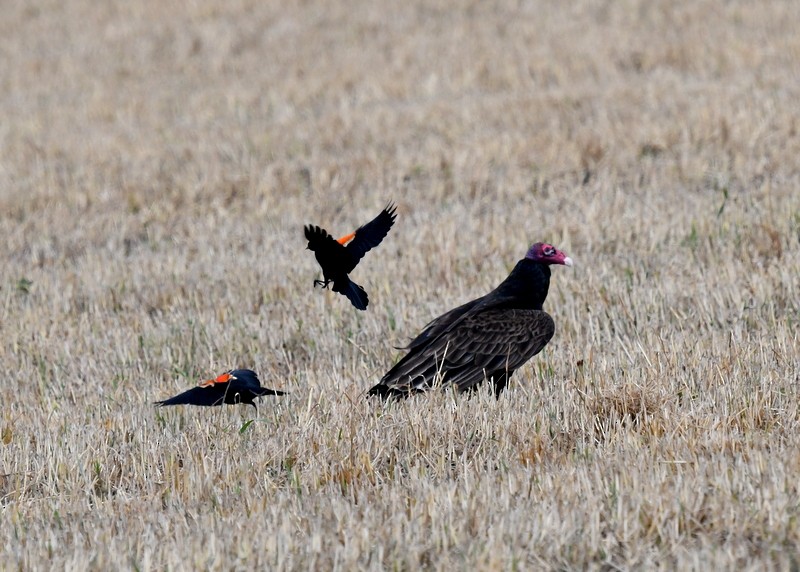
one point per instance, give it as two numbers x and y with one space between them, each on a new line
346 238
224 378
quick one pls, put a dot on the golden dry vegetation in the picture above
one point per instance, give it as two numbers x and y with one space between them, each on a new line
158 161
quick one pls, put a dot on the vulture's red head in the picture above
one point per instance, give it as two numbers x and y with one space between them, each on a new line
544 253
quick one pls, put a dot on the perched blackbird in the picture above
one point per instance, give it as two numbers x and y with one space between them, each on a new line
232 387
339 257
485 339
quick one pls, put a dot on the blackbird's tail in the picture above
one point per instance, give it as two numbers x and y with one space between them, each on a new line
268 391
355 293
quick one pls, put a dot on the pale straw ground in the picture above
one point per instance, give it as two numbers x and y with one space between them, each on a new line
157 163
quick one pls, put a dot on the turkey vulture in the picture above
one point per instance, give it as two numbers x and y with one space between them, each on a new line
338 260
232 387
487 338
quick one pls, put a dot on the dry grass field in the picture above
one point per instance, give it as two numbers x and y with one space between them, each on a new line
157 163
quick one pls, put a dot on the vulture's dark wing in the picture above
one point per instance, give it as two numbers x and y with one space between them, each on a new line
371 234
438 325
480 345
506 295
208 396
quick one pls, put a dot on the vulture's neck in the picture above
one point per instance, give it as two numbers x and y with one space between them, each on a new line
527 284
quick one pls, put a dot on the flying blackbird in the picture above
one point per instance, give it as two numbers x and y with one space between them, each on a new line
339 257
232 387
487 338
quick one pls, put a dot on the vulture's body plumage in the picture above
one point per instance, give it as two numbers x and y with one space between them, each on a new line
485 339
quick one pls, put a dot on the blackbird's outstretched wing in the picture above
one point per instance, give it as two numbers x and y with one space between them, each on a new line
480 345
317 237
207 396
371 234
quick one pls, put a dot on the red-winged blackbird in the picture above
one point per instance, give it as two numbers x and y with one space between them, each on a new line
487 338
338 260
232 387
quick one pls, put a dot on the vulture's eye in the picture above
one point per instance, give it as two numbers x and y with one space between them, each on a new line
549 251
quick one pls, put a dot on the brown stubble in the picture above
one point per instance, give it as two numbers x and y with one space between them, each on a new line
158 164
